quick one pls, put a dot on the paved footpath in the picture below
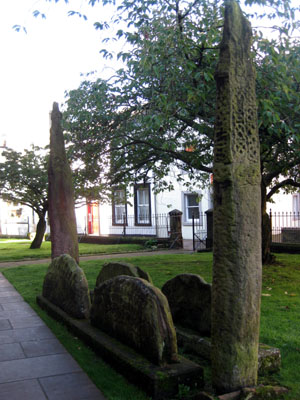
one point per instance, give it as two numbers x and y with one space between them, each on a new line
8 264
33 363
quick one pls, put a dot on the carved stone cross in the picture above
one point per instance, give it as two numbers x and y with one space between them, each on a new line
236 289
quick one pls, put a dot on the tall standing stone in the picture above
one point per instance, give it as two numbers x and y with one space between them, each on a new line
236 289
61 194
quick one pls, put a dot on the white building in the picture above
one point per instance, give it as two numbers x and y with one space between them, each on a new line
287 203
139 211
16 219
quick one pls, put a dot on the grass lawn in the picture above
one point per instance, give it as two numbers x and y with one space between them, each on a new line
280 316
19 250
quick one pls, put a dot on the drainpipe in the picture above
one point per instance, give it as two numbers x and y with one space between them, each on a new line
156 216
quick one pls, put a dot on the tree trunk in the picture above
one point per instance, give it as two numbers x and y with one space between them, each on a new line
266 230
40 231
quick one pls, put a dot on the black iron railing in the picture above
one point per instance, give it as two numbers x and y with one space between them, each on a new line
157 225
285 227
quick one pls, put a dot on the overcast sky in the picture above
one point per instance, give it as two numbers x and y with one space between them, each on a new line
36 68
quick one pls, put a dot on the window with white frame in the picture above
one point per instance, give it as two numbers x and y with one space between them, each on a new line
296 206
142 204
119 211
192 207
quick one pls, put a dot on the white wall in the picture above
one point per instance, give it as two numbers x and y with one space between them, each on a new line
161 204
16 220
81 218
281 203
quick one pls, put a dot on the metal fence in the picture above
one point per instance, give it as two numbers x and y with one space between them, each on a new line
199 227
285 227
156 225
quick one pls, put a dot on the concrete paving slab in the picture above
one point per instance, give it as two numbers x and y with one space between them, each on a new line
29 351
26 334
6 288
42 347
9 289
11 351
37 367
25 390
16 306
75 386
10 314
5 324
9 293
25 322
11 299
4 282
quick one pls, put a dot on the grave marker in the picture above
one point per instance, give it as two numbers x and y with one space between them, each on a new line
236 288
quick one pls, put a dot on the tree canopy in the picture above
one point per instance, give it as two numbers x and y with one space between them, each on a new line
278 88
24 180
159 109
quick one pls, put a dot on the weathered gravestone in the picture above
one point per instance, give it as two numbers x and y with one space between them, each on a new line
65 285
137 314
113 269
236 289
61 194
189 298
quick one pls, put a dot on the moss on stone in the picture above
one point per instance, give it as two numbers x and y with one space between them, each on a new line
136 313
112 269
266 392
66 286
237 236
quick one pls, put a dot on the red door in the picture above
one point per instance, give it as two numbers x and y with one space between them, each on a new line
93 218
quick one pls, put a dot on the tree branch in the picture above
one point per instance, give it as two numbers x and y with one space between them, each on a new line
286 182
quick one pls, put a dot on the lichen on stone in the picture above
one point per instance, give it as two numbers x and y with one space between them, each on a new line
135 312
65 285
